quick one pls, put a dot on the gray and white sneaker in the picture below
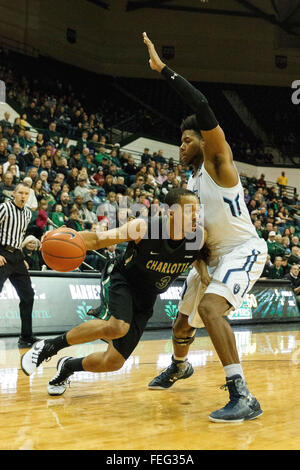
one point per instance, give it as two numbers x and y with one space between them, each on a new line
39 352
58 385
242 406
177 370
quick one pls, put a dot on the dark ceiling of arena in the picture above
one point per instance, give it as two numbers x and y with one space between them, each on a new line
284 13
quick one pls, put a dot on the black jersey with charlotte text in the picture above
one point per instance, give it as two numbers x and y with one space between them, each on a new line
152 264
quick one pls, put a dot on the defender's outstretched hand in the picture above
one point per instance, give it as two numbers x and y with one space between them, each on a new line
154 61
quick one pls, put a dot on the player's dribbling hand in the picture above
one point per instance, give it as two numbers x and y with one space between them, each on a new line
2 261
154 61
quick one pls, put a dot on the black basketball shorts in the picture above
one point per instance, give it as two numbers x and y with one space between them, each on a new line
133 307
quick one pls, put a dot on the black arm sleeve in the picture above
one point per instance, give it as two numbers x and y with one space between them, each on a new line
193 97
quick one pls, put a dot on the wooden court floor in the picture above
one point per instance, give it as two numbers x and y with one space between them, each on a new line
117 411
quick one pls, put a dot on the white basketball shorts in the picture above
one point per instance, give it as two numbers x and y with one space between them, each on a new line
233 276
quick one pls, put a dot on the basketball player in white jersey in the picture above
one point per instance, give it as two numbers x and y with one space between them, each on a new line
237 253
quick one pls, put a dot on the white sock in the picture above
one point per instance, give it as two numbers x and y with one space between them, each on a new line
234 369
180 358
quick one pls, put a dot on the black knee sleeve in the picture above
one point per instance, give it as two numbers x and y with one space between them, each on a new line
183 341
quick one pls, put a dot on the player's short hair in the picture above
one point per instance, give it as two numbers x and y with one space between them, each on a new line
191 123
174 196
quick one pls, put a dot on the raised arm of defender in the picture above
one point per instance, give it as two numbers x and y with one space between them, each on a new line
217 152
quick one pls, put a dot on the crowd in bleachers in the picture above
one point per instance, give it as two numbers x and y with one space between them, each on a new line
78 178
92 183
276 217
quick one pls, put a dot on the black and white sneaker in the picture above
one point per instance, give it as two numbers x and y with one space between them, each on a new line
176 371
39 352
58 385
242 406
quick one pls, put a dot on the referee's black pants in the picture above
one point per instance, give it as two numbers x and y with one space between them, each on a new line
16 271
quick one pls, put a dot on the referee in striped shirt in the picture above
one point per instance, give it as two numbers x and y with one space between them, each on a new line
14 220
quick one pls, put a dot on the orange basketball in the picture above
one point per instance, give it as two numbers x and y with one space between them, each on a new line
63 249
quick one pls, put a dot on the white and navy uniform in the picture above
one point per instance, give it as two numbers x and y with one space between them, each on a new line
238 255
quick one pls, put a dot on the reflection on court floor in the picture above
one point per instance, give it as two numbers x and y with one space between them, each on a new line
116 410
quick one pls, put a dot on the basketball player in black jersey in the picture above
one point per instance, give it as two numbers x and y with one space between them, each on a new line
159 250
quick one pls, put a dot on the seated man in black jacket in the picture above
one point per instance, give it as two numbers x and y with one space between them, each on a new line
293 276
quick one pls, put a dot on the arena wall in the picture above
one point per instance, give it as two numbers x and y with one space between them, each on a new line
207 47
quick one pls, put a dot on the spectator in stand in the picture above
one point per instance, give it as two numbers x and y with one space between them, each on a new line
33 173
269 228
72 178
44 179
42 218
286 200
274 248
295 242
6 121
78 204
130 168
146 156
30 249
295 256
102 155
120 185
94 143
294 278
282 180
12 160
30 156
63 167
82 190
114 158
162 177
51 173
159 158
130 196
109 209
3 153
261 182
285 242
276 271
89 216
108 185
40 142
16 150
7 187
267 268
57 216
169 183
98 177
74 221
51 135
139 182
285 265
90 165
76 160
39 190
83 141
55 193
257 225
65 203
